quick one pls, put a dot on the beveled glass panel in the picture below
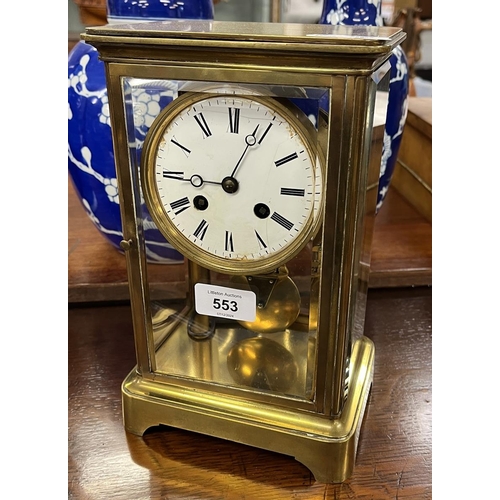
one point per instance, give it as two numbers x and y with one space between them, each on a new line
259 151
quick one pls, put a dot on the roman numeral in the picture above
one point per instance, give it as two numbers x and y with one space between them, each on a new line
262 245
293 192
180 205
265 133
200 119
201 230
228 246
286 159
276 217
173 175
234 120
186 150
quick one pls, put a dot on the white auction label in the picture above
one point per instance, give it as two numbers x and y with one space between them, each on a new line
223 302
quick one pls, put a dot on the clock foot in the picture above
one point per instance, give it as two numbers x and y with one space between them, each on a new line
326 445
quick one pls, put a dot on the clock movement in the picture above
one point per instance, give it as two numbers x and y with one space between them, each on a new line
262 170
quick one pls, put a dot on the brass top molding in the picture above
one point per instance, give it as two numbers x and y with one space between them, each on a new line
361 40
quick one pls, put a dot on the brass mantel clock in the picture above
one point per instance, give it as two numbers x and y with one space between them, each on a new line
262 171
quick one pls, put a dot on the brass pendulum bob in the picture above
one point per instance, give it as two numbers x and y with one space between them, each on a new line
278 300
262 363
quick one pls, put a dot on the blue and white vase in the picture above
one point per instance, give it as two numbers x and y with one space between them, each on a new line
369 13
154 10
91 160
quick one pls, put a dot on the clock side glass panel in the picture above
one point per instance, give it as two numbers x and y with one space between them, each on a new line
242 199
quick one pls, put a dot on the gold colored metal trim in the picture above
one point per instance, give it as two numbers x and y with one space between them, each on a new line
286 36
327 446
132 227
321 64
326 47
303 49
225 74
305 67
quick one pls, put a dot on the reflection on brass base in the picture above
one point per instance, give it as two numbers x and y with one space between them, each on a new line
263 364
327 447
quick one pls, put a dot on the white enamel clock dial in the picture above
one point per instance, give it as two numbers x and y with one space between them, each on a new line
230 181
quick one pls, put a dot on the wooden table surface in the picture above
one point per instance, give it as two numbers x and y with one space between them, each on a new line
394 458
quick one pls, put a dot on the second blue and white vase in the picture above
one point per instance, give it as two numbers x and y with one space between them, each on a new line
369 13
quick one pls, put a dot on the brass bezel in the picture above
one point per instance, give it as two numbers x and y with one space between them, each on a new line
190 250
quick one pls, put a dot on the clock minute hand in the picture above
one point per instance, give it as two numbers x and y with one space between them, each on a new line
250 141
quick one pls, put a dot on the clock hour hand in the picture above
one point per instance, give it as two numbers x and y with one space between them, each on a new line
250 141
195 180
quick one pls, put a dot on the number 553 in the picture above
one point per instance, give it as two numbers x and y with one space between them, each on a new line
225 305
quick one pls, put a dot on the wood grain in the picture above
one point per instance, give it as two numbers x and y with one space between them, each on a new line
420 115
412 176
394 455
402 245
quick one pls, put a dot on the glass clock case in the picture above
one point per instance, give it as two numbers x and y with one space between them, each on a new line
237 329
255 149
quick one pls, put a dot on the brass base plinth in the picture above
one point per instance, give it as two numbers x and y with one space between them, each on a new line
326 446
